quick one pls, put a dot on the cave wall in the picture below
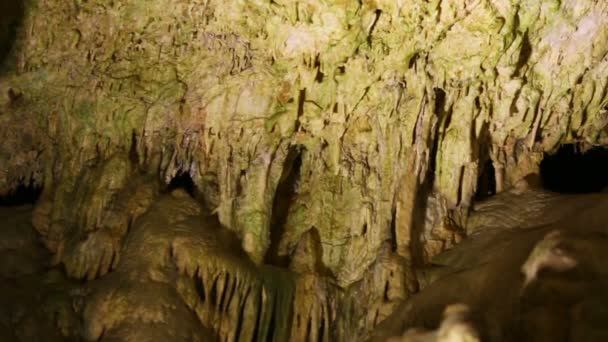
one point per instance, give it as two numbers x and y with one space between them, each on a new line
382 103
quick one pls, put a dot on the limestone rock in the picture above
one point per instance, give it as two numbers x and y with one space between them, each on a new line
333 150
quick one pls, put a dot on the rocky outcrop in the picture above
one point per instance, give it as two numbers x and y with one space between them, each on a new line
521 283
372 98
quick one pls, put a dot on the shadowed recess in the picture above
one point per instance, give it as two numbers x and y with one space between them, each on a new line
182 181
11 15
571 170
284 197
22 195
486 183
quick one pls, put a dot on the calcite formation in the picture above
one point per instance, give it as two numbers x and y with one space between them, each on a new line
334 150
544 282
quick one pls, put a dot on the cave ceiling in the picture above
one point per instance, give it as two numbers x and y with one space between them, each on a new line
278 170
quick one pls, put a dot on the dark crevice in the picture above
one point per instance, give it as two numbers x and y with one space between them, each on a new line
371 29
213 294
513 106
460 181
413 60
439 101
386 288
133 154
232 289
321 334
308 328
258 320
272 326
285 195
394 229
223 295
24 194
200 289
443 115
239 184
11 17
432 160
182 181
524 55
320 75
14 96
486 182
570 170
301 101
241 318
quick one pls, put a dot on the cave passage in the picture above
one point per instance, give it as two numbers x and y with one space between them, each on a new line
486 183
572 171
184 181
24 194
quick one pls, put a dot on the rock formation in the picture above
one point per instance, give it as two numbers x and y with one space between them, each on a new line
296 170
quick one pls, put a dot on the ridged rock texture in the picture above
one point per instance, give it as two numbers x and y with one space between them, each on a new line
333 148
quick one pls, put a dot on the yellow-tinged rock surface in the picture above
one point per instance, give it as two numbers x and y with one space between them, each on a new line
333 148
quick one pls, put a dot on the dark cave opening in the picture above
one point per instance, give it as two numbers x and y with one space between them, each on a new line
570 170
182 180
283 199
24 194
486 182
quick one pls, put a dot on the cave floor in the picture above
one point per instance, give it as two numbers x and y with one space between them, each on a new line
178 279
